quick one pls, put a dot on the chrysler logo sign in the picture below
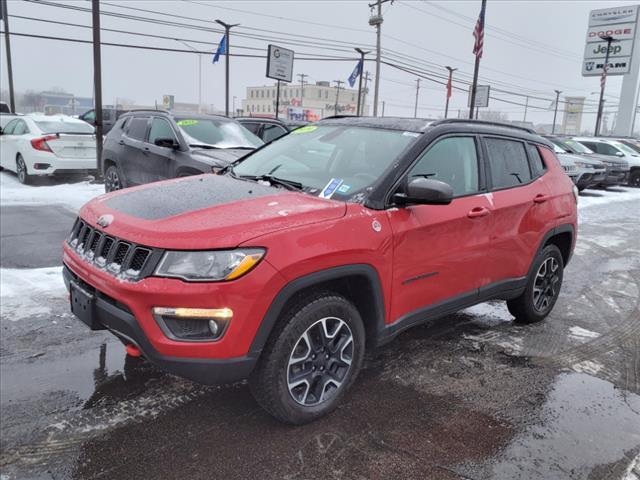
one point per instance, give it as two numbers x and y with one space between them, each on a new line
105 220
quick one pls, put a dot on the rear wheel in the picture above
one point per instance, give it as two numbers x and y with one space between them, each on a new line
634 178
112 180
542 290
311 359
21 171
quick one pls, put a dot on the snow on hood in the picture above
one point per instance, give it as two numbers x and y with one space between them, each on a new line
206 211
219 156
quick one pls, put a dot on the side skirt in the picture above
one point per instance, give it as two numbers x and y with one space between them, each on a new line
504 290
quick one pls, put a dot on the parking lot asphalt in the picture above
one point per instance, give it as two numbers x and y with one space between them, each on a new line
472 396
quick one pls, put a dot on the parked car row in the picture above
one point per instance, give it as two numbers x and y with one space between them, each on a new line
599 161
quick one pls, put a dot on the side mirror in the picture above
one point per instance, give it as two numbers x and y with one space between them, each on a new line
425 191
166 143
619 154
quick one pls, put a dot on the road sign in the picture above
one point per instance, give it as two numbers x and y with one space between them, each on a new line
620 23
482 96
280 63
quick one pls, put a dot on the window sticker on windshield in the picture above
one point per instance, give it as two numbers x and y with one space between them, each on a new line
411 134
344 188
186 123
307 129
330 189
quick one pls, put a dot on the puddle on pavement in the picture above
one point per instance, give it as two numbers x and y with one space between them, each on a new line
91 375
585 422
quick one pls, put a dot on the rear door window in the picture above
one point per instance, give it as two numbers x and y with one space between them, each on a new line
252 127
137 128
537 164
508 163
20 128
8 130
271 132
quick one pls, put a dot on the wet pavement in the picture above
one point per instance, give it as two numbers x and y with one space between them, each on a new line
472 396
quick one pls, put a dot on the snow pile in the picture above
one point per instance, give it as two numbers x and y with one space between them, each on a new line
72 195
590 198
27 293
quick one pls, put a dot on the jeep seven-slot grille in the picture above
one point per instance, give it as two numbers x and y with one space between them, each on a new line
116 256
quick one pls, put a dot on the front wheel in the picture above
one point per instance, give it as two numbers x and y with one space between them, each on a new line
311 359
21 171
634 179
543 287
112 180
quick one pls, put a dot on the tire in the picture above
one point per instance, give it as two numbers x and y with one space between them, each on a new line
21 171
113 181
543 288
634 179
318 326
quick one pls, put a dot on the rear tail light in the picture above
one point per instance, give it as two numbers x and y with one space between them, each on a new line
41 143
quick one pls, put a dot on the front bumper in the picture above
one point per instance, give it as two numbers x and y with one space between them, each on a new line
112 315
615 176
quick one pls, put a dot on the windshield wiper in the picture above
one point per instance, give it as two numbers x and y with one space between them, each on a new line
288 184
203 145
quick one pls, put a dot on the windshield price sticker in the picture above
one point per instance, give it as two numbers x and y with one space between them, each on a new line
307 129
186 123
330 189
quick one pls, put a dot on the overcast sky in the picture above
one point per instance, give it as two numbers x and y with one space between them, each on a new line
531 47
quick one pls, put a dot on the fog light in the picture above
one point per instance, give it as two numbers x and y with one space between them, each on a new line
195 312
213 326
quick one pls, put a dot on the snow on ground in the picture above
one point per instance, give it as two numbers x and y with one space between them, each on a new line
590 198
29 292
71 195
580 333
496 311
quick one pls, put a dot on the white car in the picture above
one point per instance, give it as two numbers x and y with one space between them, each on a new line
613 148
43 145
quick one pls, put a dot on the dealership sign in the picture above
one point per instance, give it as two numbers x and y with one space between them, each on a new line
279 63
621 23
482 96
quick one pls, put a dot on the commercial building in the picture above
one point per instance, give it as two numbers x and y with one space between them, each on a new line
311 102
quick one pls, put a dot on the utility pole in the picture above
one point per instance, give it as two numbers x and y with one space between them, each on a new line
199 74
97 82
227 31
449 87
277 98
376 21
362 54
415 108
365 92
383 108
338 84
526 105
555 113
479 43
234 106
7 43
603 81
302 82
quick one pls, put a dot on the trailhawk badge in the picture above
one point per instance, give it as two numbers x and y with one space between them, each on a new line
105 220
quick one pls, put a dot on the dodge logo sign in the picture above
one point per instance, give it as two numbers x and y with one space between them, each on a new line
589 66
105 220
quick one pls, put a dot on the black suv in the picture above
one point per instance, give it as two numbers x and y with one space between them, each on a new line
149 145
269 129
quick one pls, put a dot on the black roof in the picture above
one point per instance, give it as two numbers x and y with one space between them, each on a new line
202 116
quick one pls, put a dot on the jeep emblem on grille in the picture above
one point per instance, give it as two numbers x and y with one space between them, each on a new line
105 220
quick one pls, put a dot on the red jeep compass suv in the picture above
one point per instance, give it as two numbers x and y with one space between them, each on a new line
328 241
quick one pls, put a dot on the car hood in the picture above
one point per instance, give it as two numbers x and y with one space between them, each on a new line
205 212
219 156
606 159
588 159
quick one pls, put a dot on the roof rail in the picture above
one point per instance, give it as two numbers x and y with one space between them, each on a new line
482 122
147 110
339 116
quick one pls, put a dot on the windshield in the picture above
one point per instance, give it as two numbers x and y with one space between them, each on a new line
632 144
216 132
558 147
60 126
330 161
577 146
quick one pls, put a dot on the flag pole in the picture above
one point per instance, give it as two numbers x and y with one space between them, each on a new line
478 31
362 54
449 88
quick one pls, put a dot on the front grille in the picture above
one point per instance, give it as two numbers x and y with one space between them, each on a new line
117 257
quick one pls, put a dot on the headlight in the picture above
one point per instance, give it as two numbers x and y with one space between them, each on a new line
209 266
583 165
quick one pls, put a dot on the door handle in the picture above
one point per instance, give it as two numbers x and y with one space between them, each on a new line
478 212
541 198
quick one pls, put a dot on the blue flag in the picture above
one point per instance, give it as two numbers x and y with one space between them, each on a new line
222 48
356 72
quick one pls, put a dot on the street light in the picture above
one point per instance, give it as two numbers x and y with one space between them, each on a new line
362 54
199 73
555 113
603 81
227 31
449 86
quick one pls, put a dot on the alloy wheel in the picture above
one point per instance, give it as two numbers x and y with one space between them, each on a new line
320 361
635 180
545 285
21 169
112 181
